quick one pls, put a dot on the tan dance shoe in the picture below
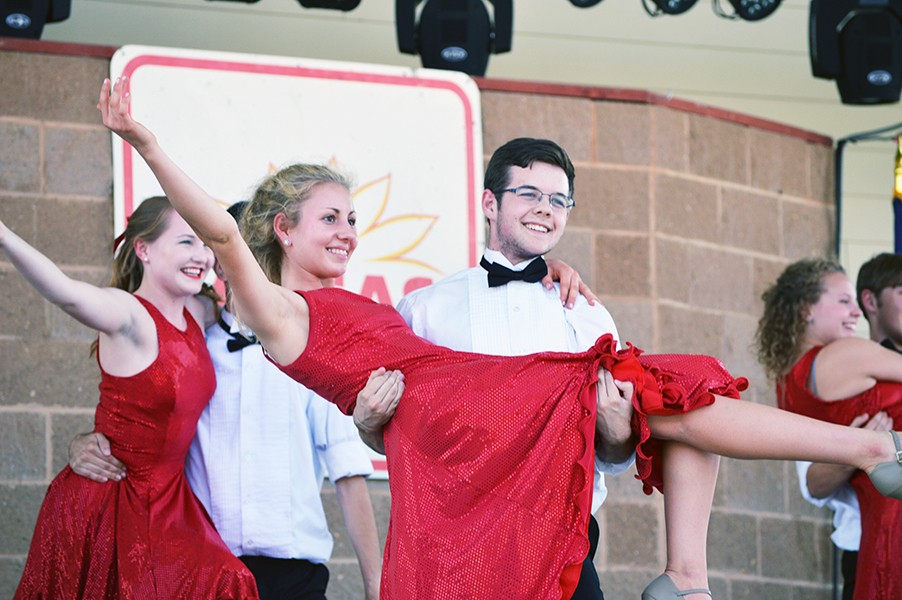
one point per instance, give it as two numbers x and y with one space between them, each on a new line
887 477
662 588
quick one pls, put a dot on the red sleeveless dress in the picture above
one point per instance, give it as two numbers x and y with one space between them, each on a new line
490 458
879 571
147 536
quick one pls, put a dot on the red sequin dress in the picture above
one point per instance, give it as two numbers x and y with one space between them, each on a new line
490 458
147 536
879 571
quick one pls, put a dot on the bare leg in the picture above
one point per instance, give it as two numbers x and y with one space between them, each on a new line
689 479
746 430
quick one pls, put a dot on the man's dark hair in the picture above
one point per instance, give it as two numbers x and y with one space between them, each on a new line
237 209
523 152
879 273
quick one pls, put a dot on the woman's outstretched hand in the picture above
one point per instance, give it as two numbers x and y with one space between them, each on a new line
113 105
571 283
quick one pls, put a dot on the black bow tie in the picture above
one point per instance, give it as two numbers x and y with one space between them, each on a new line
238 341
500 275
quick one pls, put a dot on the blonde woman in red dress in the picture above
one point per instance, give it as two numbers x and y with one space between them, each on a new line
487 454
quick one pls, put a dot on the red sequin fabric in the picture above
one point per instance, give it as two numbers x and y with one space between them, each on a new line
879 571
145 537
490 458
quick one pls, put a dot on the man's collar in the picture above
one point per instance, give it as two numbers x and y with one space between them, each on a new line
496 257
888 343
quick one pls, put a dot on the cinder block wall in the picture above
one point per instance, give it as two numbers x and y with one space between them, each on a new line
684 214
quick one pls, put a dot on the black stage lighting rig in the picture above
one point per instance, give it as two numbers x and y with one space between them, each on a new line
668 7
26 18
859 44
456 35
748 10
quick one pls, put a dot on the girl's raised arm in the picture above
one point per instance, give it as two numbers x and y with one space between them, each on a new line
103 309
850 366
277 316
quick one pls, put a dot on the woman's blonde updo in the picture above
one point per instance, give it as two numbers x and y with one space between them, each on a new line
283 193
786 304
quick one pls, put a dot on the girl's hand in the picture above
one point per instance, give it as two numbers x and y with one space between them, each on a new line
113 105
377 401
571 283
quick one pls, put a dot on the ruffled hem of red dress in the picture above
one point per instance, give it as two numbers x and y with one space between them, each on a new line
661 391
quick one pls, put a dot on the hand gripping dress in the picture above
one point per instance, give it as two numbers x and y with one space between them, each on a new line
145 537
879 571
490 458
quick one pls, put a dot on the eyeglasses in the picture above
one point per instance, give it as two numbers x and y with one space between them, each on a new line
531 195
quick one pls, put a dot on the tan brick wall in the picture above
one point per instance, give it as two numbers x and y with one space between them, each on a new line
681 220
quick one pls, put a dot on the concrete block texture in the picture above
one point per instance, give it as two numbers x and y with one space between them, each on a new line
622 263
756 485
807 231
689 330
76 232
718 149
686 208
22 311
821 175
23 455
611 199
78 160
11 570
567 121
670 139
750 221
632 534
51 87
623 133
779 163
736 538
48 372
789 549
20 155
19 505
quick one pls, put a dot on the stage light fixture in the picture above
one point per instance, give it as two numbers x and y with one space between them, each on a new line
344 5
748 10
455 35
669 7
859 44
26 18
584 3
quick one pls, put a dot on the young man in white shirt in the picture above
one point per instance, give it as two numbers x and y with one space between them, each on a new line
502 308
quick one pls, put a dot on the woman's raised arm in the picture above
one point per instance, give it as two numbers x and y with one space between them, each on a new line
277 316
850 366
105 309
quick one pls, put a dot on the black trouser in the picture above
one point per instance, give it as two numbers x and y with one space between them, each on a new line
288 578
589 588
849 566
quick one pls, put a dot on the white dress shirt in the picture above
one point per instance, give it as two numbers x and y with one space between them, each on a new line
257 460
463 313
844 504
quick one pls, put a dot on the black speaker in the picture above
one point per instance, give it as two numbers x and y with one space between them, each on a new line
26 18
455 35
870 47
859 44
